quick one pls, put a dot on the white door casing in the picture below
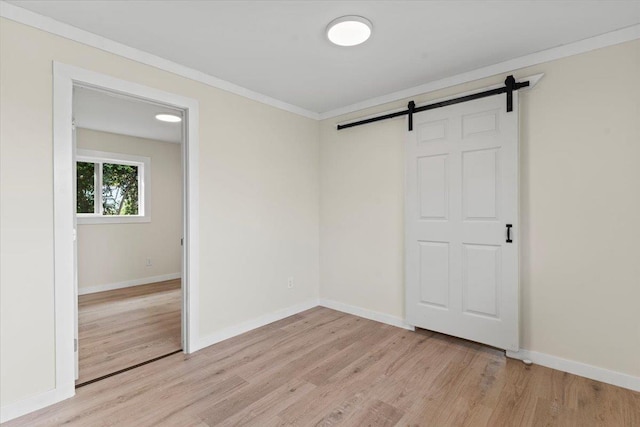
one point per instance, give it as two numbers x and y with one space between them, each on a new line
461 191
65 300
76 342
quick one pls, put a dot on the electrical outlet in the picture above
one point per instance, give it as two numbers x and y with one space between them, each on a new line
290 283
149 263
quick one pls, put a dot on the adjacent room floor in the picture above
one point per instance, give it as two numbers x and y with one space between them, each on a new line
121 328
323 367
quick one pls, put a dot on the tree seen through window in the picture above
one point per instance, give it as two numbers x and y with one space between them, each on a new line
85 188
119 188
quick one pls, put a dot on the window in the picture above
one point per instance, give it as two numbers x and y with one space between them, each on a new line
112 188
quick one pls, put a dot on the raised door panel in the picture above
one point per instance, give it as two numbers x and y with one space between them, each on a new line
480 184
479 123
432 131
433 189
434 273
481 280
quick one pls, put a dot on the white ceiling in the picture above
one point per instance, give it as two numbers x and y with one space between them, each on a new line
279 48
98 110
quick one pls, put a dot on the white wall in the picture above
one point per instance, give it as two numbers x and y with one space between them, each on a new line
259 184
116 253
580 204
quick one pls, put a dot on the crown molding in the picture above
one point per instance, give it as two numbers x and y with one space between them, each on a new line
44 23
575 48
52 26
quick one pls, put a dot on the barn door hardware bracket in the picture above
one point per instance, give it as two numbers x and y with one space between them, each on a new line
411 108
510 85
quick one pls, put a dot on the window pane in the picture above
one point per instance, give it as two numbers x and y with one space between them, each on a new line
119 189
85 191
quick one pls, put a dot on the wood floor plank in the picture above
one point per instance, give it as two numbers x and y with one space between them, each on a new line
433 406
258 361
327 368
377 413
411 382
124 327
335 363
518 397
355 380
266 409
272 375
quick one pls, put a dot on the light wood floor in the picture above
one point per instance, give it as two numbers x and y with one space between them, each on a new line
325 368
121 328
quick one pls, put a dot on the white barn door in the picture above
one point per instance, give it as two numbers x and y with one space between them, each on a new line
461 196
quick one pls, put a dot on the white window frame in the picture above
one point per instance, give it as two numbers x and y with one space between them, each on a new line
144 187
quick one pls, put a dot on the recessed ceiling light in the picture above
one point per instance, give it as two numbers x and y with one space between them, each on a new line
349 30
171 118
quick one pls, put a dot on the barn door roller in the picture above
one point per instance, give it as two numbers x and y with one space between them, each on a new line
510 85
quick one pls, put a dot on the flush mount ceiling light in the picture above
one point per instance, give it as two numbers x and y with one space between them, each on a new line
166 117
349 30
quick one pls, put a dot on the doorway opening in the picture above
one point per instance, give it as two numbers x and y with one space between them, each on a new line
128 199
116 193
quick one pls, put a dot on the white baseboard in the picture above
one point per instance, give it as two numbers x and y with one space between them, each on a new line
33 403
577 368
366 313
127 283
249 325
